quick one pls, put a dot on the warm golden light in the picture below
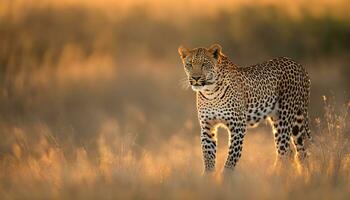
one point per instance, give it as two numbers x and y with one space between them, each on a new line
94 105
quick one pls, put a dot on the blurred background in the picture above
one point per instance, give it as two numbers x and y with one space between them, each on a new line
79 76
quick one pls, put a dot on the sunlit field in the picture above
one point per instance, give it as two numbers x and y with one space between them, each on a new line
93 102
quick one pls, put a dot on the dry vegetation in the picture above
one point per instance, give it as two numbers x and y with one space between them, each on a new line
38 165
91 105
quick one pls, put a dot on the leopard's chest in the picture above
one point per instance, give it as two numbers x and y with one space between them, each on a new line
215 115
218 111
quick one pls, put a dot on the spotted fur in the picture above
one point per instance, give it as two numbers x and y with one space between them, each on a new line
240 97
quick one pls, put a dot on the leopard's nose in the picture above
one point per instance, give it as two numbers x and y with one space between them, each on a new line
196 78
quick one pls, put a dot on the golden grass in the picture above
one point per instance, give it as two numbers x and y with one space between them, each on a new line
41 167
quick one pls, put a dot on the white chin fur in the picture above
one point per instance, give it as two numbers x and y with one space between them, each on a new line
197 88
202 88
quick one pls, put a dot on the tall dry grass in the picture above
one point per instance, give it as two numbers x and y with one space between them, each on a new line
43 167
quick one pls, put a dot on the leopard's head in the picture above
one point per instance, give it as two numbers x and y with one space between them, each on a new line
201 66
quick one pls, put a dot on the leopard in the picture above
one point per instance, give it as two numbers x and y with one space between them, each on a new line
239 97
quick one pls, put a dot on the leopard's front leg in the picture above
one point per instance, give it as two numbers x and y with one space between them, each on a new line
237 127
208 141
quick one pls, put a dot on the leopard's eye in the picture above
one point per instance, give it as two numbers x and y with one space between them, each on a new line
188 65
205 66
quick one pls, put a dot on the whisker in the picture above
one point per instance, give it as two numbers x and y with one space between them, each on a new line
183 83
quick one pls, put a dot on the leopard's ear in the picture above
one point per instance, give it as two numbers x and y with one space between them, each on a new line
183 51
215 50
